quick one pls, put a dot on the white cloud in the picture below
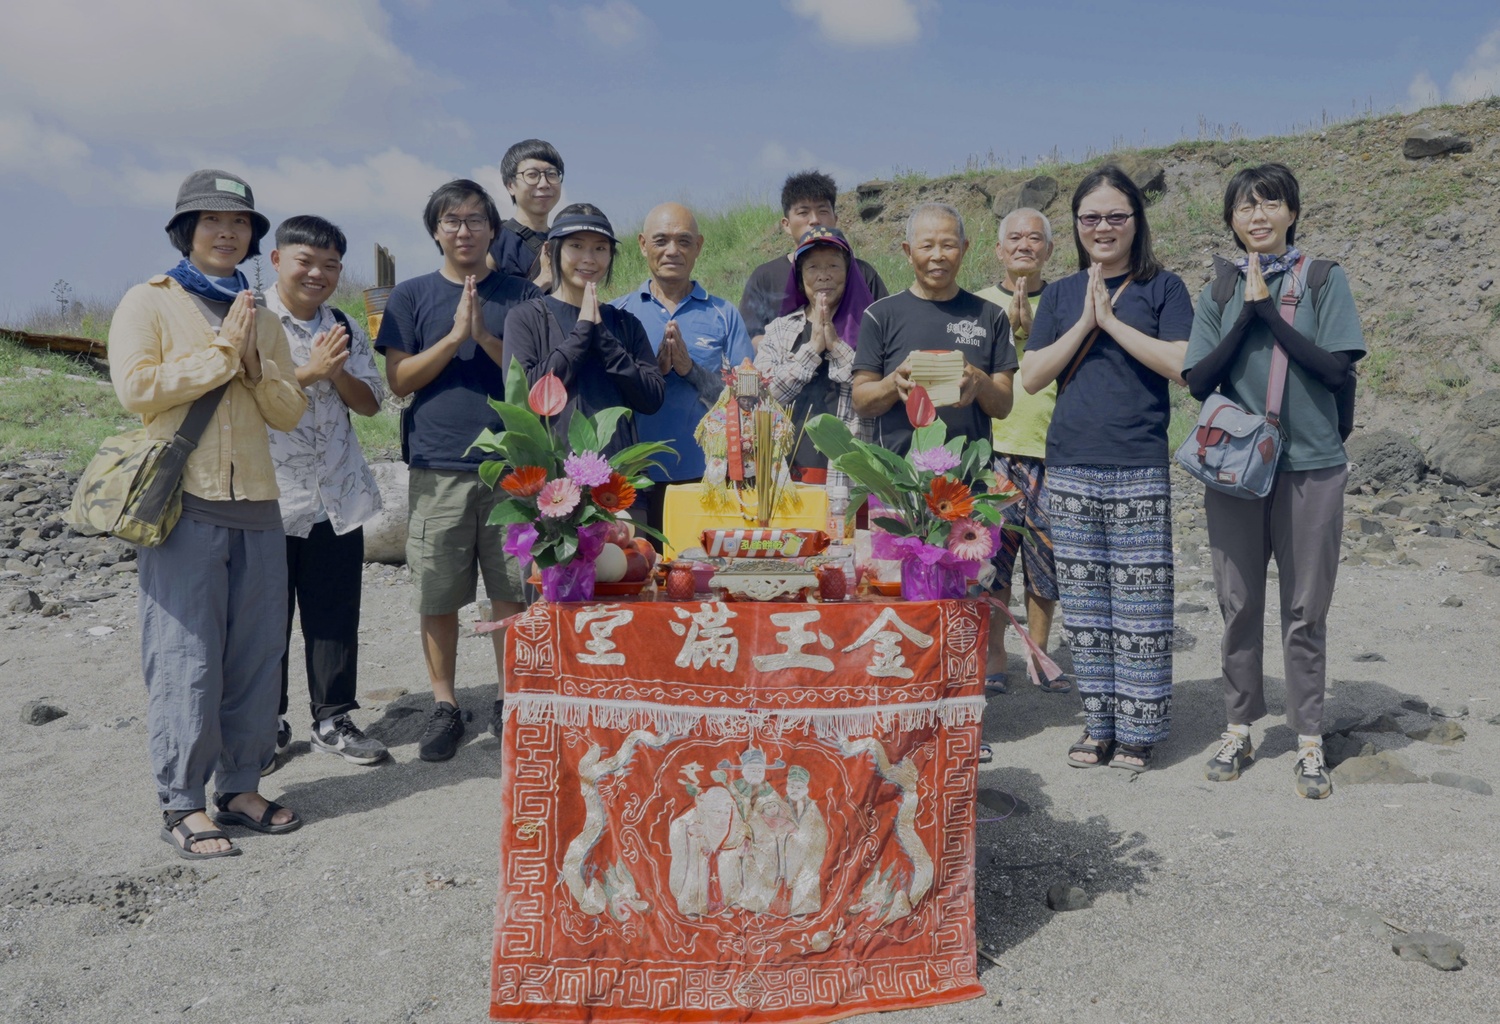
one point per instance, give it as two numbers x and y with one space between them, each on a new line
864 23
1478 78
614 23
1480 75
293 72
777 160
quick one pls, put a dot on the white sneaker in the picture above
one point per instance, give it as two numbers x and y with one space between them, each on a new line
344 738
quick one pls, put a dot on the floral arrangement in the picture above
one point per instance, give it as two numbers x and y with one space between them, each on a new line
562 498
940 504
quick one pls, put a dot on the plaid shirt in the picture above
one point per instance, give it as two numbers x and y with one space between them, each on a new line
788 369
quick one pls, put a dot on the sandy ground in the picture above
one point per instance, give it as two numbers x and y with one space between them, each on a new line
1230 903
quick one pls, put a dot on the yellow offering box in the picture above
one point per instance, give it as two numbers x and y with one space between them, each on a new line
684 517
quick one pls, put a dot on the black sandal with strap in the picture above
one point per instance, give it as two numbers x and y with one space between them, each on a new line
173 827
1101 750
261 824
1140 751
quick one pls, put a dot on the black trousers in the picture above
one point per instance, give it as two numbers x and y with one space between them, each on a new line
324 577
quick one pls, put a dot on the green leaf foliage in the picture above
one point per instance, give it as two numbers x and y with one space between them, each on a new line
581 435
516 385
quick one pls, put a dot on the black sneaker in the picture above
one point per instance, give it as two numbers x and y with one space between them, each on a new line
444 729
1233 756
497 721
344 738
1312 773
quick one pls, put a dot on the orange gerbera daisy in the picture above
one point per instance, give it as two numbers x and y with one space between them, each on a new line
949 499
525 482
615 496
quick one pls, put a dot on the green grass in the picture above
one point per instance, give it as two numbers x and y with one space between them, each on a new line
47 411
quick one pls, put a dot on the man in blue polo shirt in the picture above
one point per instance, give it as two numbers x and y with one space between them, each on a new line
694 335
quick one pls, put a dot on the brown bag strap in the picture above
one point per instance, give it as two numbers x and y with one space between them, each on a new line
1088 342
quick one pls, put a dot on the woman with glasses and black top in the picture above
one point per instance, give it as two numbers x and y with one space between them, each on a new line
1301 520
1113 335
599 352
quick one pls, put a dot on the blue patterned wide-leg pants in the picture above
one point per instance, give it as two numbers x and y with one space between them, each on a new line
1112 534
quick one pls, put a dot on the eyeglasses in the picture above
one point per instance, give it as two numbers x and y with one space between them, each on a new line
1114 220
475 224
531 175
1271 207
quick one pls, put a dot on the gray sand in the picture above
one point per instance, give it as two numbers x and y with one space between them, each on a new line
1232 902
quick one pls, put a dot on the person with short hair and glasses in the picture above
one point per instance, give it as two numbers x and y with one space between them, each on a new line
532 171
441 337
1301 520
1113 335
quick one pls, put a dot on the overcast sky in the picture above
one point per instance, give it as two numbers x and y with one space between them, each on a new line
357 109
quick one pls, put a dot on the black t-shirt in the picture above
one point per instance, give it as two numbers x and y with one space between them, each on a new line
760 303
518 250
446 415
901 324
1114 412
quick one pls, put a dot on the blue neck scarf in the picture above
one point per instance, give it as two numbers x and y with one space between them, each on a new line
1271 263
213 289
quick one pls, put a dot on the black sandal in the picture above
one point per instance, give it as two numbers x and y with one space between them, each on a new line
1141 751
263 824
1101 750
173 827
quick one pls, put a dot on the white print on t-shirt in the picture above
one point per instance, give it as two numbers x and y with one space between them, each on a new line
967 332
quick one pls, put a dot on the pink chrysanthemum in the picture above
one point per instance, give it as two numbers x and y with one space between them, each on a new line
558 498
934 460
970 541
587 469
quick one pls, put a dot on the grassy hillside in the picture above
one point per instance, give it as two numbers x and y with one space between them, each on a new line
1415 237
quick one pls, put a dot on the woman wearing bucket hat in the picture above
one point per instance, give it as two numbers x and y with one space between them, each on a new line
807 353
599 352
213 594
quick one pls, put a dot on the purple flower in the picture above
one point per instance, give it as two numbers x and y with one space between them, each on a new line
587 469
934 460
519 537
558 498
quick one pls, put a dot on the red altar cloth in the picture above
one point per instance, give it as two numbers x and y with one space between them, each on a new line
738 812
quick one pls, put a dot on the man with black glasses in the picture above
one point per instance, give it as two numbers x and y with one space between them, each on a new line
441 339
532 171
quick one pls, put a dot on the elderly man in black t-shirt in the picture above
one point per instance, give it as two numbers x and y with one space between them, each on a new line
933 314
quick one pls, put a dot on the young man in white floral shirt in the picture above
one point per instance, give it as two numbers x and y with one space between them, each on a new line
327 489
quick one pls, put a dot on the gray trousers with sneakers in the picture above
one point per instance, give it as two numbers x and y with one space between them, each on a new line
212 610
1299 523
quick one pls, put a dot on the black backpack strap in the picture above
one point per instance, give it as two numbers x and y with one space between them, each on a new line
1317 276
534 240
342 318
1226 280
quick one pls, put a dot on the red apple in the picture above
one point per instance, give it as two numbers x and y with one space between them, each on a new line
619 533
636 567
647 552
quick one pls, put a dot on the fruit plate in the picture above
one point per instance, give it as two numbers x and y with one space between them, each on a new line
619 588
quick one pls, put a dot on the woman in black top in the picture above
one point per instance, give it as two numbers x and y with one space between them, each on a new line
600 353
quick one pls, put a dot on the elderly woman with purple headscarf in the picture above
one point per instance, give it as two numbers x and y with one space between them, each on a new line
807 354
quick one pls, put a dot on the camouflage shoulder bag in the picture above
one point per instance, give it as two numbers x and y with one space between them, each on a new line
132 488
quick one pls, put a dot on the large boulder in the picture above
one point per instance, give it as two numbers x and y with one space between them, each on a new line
1467 451
1425 142
385 534
1149 176
1383 457
1036 194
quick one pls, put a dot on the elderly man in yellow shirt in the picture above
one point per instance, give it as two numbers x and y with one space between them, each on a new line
1020 440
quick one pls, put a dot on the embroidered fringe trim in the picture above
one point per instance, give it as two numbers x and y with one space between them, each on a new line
678 720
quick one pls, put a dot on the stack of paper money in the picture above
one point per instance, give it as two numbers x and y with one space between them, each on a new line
940 373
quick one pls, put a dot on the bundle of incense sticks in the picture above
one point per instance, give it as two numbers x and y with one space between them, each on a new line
765 461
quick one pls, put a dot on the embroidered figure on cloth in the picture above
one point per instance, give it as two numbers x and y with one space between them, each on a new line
615 889
884 898
710 640
886 633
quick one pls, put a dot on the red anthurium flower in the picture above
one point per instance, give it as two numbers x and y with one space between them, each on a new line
949 499
525 482
919 407
614 496
548 397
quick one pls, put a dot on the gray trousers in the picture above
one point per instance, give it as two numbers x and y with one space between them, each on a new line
1300 522
213 611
